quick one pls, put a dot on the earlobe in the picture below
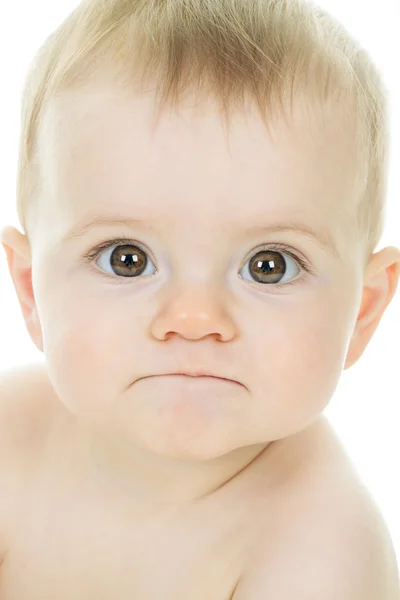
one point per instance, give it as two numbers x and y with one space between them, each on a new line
380 284
18 254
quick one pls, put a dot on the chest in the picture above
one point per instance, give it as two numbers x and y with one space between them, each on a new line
69 548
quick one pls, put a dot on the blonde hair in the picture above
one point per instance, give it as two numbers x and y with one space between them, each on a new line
267 50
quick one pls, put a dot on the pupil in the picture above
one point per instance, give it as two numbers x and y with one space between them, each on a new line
129 260
266 266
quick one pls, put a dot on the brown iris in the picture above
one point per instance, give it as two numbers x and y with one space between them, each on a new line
128 263
268 266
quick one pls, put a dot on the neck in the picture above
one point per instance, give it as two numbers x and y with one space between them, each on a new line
156 479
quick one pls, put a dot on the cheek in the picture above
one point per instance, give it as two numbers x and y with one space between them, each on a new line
298 367
83 362
89 345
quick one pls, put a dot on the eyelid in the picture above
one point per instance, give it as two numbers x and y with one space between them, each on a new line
127 240
92 254
305 264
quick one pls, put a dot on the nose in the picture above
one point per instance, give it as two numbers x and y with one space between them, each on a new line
194 313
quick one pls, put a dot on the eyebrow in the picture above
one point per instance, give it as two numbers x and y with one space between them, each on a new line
319 235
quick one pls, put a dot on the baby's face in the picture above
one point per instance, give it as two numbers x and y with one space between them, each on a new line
195 286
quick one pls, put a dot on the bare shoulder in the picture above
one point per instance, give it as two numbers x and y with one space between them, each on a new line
25 406
327 531
25 418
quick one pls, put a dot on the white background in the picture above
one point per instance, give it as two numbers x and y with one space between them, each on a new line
365 409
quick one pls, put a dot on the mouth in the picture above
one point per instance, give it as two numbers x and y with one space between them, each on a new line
200 377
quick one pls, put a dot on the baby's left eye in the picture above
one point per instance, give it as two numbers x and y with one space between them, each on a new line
270 267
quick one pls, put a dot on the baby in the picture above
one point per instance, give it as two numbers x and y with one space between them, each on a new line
201 186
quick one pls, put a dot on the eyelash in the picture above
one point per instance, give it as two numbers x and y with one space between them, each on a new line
95 252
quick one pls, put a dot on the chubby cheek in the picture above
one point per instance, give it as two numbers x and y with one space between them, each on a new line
85 357
297 369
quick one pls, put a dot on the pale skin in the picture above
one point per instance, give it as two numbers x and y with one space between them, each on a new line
106 339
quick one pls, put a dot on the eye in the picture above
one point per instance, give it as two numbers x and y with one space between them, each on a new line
127 260
269 266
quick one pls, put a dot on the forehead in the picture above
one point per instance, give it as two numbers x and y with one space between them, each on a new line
100 149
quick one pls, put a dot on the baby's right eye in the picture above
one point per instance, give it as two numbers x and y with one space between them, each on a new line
126 258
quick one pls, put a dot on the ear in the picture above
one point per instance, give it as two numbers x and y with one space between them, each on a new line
380 284
18 253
